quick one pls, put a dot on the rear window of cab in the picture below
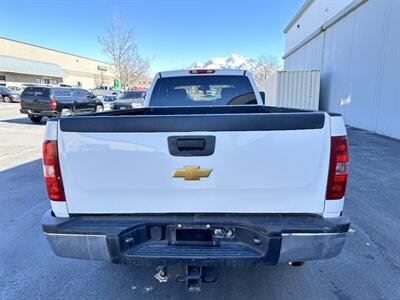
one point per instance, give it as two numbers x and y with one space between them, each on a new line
203 91
36 91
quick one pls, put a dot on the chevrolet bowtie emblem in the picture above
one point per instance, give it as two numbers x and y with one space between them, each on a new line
192 173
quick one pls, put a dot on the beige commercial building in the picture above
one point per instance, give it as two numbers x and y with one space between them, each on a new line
22 63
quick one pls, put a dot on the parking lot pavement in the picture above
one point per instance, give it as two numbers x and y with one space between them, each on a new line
20 139
368 268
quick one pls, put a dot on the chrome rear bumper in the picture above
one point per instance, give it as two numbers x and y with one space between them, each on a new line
129 239
92 247
310 246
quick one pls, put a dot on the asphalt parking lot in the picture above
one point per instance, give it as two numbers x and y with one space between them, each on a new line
368 268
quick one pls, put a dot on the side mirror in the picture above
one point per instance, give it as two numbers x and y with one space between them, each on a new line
263 97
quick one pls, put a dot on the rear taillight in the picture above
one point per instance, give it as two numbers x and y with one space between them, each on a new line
202 71
52 172
338 168
53 103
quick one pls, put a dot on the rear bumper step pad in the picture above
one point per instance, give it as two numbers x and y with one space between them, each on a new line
237 239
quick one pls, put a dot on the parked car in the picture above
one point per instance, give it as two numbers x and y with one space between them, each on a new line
8 95
107 101
16 89
105 90
204 174
38 102
129 100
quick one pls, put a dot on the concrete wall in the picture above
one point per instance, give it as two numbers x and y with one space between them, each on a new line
359 59
79 69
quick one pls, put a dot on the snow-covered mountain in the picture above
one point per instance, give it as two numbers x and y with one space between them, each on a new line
233 61
261 67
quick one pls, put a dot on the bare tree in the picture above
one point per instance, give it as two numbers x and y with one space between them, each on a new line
120 46
262 67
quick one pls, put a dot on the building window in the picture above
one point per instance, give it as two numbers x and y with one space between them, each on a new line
2 80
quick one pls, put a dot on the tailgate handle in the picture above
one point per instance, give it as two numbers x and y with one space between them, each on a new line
191 145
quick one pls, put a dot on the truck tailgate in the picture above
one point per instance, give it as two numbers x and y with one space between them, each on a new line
261 163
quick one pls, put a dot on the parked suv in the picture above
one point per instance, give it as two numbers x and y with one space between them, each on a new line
38 102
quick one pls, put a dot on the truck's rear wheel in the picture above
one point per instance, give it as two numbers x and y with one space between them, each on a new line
99 108
35 119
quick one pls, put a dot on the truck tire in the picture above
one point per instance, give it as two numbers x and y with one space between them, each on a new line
7 99
66 112
35 119
99 108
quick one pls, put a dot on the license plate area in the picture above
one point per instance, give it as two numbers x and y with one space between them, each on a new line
192 235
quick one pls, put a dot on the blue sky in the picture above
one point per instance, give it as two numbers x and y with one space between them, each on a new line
172 33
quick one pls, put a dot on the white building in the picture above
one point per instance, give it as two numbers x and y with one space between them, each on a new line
356 45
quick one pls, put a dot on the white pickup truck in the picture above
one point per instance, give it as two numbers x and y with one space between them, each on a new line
203 175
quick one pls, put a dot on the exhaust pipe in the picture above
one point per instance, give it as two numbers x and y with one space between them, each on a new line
297 263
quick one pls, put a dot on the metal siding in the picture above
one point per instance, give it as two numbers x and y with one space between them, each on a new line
388 108
316 84
296 61
365 64
335 90
313 16
270 90
360 58
313 53
306 58
297 89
